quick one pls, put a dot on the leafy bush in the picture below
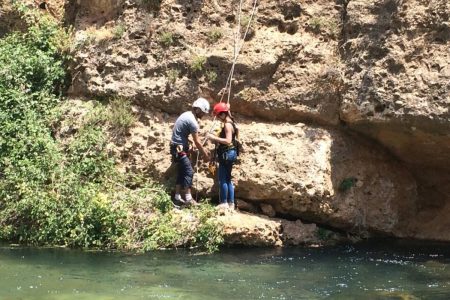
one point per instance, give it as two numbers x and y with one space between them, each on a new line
54 193
120 115
167 230
87 157
47 196
198 63
209 234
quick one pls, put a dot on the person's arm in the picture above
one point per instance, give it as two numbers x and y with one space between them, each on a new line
228 135
199 145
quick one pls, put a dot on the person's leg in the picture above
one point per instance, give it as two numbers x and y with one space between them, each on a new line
230 186
188 175
179 182
231 158
223 186
178 193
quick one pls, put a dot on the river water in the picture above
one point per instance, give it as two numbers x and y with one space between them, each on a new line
375 270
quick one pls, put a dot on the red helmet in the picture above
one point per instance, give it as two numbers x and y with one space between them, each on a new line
219 108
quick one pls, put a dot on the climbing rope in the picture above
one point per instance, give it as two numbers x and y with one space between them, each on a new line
237 47
227 89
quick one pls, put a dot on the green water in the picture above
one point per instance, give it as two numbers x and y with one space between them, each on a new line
383 270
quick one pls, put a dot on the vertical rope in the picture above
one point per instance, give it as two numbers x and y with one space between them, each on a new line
227 89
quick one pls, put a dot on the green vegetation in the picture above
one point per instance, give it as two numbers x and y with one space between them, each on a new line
120 115
214 35
316 23
173 75
324 234
198 63
325 25
245 20
347 184
69 192
119 31
211 76
169 230
166 39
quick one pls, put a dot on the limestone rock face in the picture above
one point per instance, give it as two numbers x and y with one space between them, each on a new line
269 78
398 69
317 174
343 105
251 230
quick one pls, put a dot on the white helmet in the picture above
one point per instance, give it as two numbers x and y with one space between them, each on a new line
203 104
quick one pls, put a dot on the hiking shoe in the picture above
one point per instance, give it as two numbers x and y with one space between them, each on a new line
178 202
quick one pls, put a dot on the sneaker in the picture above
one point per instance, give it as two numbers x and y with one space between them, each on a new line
222 206
231 206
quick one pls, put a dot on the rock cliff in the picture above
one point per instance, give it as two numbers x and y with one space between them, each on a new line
343 105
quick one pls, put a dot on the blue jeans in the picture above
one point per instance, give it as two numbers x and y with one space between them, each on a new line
226 187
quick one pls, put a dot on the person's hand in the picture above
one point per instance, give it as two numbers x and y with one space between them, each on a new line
211 137
206 155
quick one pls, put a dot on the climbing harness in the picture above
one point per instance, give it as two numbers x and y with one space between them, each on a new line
238 45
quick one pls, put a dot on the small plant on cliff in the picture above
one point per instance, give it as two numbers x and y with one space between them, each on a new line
324 25
347 183
198 63
121 116
119 31
316 23
333 28
166 39
211 76
214 35
245 20
173 75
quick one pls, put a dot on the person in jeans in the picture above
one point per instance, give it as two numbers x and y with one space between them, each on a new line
186 125
226 154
